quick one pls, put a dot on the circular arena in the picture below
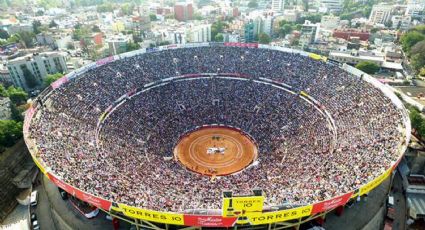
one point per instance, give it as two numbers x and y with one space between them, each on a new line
175 134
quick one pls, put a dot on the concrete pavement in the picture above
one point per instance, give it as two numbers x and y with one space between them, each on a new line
359 215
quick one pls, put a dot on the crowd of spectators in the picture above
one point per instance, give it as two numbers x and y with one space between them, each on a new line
303 158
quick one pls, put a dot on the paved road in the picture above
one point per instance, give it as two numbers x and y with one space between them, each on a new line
70 218
399 203
359 215
17 219
43 210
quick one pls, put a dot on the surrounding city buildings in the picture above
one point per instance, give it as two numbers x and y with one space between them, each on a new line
330 6
38 64
118 44
330 22
278 5
183 11
309 33
380 14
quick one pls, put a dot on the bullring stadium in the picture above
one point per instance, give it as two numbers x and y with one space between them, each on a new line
217 134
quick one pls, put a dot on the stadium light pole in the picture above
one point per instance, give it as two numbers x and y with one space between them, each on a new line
196 62
175 60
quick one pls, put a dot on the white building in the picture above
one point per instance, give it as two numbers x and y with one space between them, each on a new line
118 43
182 32
199 33
329 22
330 6
39 64
309 33
278 5
401 22
291 15
415 10
380 14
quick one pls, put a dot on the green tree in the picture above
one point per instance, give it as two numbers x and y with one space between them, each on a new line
218 27
409 39
127 8
95 28
132 46
17 95
36 26
16 113
197 16
422 72
51 78
417 121
70 46
4 34
53 24
285 29
27 38
253 4
152 17
419 28
80 32
3 91
29 77
263 38
164 43
219 37
47 4
368 67
106 7
305 5
3 4
10 132
417 55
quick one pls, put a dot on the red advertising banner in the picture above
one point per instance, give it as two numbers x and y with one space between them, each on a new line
59 82
396 163
93 200
104 61
209 221
239 44
192 75
173 46
331 204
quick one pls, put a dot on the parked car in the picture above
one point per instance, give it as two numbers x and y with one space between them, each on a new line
34 198
35 225
33 217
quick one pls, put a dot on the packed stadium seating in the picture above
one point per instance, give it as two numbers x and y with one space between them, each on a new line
303 158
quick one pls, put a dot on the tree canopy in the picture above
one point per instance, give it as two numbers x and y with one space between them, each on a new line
263 38
52 24
218 27
132 46
219 37
418 122
417 55
253 4
10 132
410 39
4 34
17 95
51 78
368 67
413 43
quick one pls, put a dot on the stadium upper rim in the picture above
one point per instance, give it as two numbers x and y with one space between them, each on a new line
111 205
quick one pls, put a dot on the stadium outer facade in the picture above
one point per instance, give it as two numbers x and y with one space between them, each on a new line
150 219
